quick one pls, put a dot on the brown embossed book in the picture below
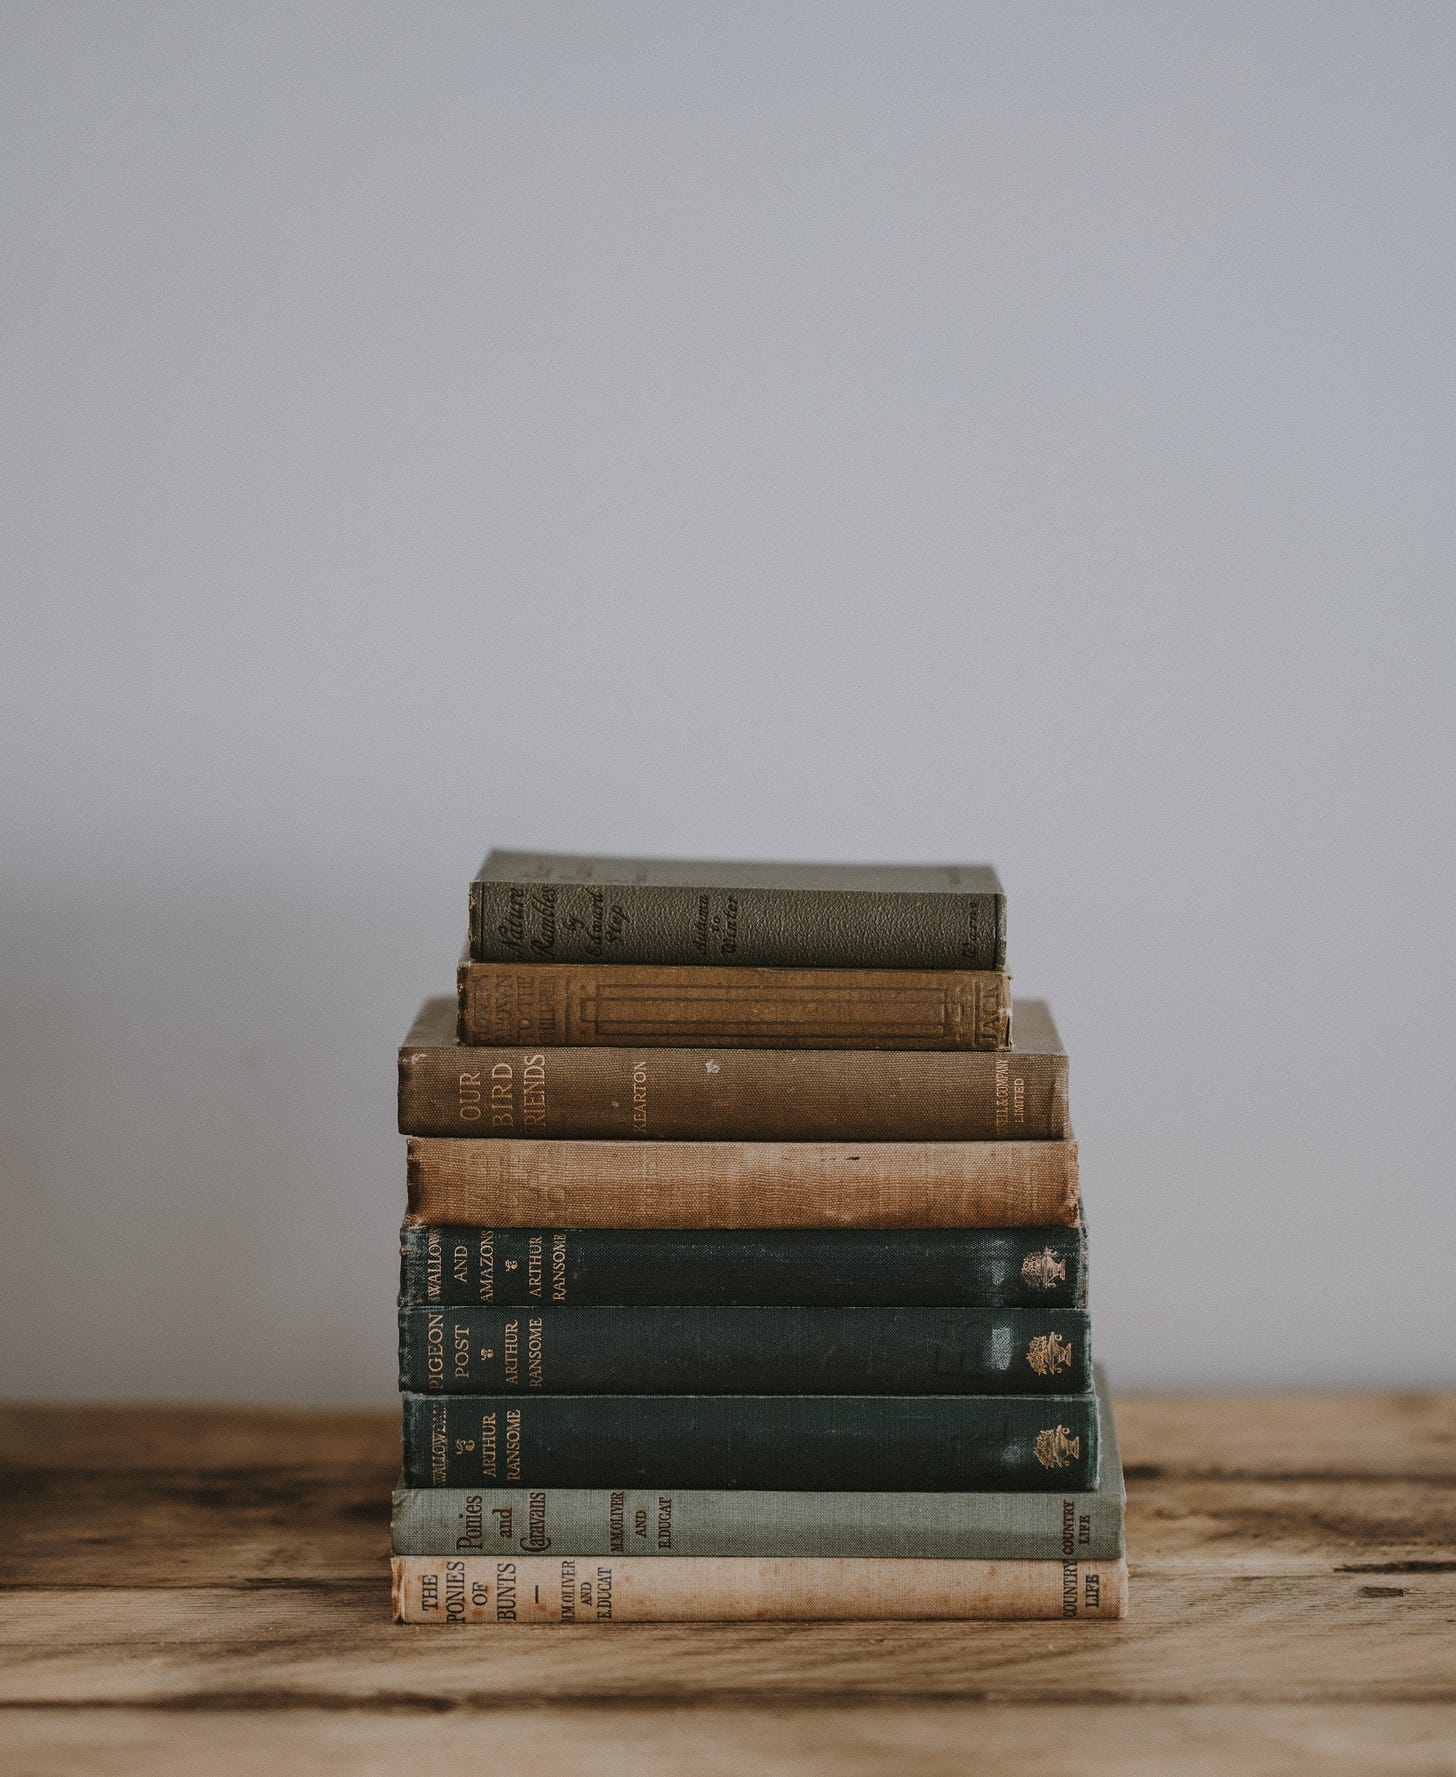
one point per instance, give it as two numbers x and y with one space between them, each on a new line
558 1004
727 1094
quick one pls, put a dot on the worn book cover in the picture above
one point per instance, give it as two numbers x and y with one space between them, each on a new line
457 1589
824 1349
457 1265
860 1443
552 908
732 1094
1068 1525
744 1185
637 1005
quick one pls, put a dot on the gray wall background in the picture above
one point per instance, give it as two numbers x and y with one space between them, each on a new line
893 431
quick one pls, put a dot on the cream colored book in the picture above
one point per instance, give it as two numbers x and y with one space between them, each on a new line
645 1589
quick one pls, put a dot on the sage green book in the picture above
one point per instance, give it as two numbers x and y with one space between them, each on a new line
1081 1526
545 907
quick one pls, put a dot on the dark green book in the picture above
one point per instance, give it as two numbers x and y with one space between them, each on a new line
831 1443
545 907
783 1350
743 1267
987 1526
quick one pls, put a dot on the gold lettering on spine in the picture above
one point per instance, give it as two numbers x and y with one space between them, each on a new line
502 1083
435 1353
511 1008
533 1091
439 1444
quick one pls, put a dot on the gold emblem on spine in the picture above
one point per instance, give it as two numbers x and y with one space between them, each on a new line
1048 1354
1043 1269
1056 1447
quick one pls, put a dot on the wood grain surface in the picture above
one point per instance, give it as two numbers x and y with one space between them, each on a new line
207 1589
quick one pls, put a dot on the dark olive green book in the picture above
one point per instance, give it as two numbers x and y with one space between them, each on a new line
490 1518
831 1442
546 907
695 1350
460 1265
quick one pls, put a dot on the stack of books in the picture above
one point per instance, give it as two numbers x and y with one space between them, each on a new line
744 1273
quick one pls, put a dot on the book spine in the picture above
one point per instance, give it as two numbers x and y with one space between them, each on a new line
732 1095
561 1004
652 1185
638 1589
656 1521
782 1350
859 1443
454 1266
616 923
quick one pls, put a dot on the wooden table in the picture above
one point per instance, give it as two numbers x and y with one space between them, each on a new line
203 1590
